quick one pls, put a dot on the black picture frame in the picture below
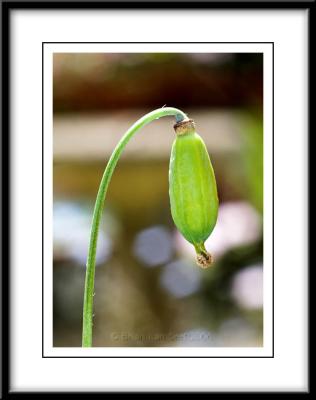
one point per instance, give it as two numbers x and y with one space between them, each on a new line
6 8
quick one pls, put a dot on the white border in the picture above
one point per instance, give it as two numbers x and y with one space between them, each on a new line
288 369
266 50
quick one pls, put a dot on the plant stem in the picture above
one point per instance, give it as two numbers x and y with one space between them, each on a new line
97 214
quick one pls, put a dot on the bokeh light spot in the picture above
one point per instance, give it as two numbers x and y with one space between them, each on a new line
247 287
153 246
181 278
72 224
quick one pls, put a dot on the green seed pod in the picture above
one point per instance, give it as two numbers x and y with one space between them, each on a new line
192 189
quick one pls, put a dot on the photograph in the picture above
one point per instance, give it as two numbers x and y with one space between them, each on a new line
158 200
156 197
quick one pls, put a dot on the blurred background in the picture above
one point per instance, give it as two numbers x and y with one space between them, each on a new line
148 289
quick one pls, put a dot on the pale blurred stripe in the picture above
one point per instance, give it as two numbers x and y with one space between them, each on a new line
92 137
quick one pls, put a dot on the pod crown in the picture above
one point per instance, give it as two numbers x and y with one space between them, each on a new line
184 127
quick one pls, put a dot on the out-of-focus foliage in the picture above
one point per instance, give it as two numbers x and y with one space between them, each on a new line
252 154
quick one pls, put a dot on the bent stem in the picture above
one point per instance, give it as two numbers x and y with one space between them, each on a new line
97 213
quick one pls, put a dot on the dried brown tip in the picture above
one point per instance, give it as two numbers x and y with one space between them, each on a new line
204 259
184 127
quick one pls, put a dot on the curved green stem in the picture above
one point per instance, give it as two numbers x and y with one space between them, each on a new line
97 214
